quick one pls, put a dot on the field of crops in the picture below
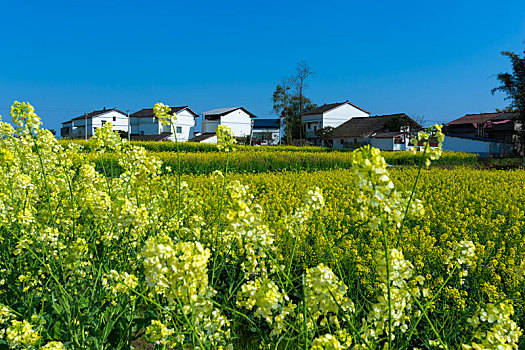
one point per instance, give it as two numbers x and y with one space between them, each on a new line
336 258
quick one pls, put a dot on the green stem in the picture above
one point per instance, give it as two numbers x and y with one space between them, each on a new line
215 250
387 260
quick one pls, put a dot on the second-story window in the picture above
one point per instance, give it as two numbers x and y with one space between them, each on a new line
179 129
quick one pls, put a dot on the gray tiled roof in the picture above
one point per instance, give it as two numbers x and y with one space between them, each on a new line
361 127
202 137
223 111
95 113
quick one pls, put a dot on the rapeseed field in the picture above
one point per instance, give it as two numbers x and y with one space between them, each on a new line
150 257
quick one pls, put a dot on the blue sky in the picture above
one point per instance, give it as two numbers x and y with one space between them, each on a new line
430 59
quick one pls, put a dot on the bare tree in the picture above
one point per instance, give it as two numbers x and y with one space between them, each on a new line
303 72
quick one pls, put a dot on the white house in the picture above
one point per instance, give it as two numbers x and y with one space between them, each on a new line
329 115
145 126
77 127
266 131
238 119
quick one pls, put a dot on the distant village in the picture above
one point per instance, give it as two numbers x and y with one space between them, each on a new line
346 126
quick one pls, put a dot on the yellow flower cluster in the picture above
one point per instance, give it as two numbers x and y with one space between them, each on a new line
162 112
225 138
394 285
107 139
380 202
24 117
425 137
463 253
339 341
503 332
21 333
54 345
326 295
119 283
269 303
179 272
157 332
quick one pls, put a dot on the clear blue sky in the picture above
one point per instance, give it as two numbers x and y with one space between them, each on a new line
431 59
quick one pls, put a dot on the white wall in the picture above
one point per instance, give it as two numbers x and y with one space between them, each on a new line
333 118
151 126
239 122
339 144
483 148
186 121
383 144
212 139
118 120
341 114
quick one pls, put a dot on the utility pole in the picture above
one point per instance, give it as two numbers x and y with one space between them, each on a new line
129 125
85 131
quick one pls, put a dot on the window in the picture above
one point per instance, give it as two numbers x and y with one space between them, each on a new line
103 122
315 127
114 119
179 129
142 133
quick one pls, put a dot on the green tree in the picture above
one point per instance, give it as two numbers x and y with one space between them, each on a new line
289 102
513 85
324 135
288 106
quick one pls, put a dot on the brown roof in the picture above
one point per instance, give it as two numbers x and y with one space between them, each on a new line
328 107
95 113
505 116
148 112
361 127
160 137
474 118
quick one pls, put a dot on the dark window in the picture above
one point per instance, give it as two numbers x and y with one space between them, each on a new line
114 119
142 132
103 122
179 129
315 128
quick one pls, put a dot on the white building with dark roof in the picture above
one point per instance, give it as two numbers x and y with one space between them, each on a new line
329 115
84 126
145 126
238 119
